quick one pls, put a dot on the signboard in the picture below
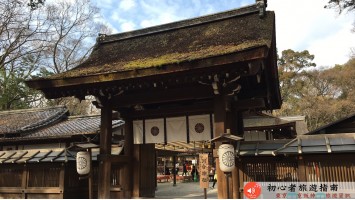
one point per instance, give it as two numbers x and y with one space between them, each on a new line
203 165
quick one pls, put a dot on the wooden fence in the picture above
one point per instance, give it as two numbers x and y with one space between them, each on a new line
268 170
335 168
51 180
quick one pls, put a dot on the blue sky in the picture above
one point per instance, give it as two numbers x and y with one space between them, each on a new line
300 24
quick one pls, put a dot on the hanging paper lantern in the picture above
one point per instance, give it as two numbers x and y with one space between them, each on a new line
226 157
82 162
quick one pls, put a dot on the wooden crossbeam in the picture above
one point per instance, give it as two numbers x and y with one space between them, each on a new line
45 155
165 95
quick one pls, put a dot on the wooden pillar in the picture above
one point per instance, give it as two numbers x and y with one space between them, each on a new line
174 170
104 180
225 118
156 171
24 180
301 169
220 121
238 128
61 180
128 178
235 180
136 170
90 179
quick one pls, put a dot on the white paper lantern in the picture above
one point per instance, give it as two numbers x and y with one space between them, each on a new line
83 162
226 157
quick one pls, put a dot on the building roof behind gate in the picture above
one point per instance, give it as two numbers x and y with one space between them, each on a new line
20 121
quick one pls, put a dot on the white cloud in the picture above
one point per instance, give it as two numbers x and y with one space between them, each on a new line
146 23
127 4
245 3
127 26
306 25
333 49
160 12
104 4
115 17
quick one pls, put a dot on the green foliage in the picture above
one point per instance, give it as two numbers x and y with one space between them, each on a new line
37 41
14 93
292 66
322 95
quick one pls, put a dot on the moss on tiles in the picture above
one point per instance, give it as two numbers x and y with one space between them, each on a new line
200 41
189 56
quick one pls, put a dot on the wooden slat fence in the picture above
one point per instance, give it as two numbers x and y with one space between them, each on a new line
332 170
270 171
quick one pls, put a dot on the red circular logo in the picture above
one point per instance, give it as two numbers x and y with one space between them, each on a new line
252 190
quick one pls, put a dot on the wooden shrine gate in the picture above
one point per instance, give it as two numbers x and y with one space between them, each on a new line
223 64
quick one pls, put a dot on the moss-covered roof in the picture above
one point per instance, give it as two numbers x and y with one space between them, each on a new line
195 39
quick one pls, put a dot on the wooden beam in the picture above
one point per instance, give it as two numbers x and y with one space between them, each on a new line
175 110
245 104
252 93
164 95
116 159
40 190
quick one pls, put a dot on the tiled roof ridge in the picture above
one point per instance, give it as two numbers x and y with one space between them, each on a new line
83 116
249 9
25 138
114 121
46 121
7 112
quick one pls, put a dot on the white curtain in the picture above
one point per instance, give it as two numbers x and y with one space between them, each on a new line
176 129
154 130
200 127
138 132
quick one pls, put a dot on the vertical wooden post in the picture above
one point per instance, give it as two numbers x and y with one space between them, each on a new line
105 151
221 182
61 180
237 128
235 180
224 119
24 180
91 191
174 169
301 169
136 170
220 117
156 171
128 177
